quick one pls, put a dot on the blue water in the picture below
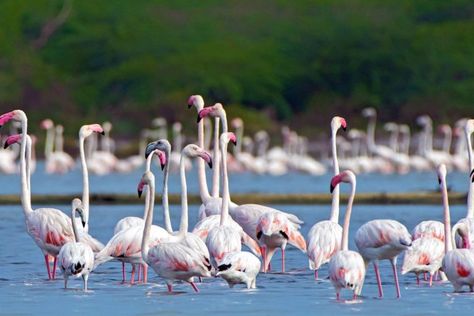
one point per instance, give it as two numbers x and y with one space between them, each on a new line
24 289
239 182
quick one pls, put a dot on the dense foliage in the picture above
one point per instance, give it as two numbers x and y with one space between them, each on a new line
298 61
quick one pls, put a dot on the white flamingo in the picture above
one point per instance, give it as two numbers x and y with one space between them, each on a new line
240 267
75 257
56 160
458 264
346 267
324 238
174 260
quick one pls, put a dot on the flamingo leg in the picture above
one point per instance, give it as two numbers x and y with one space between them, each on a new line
139 272
194 287
65 281
170 287
282 260
123 272
354 297
417 279
54 267
316 274
395 275
264 266
431 279
46 261
377 276
338 297
425 276
132 277
145 273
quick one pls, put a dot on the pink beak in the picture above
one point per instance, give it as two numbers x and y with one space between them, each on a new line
12 140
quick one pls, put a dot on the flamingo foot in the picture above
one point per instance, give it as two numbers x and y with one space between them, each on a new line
316 274
194 287
338 296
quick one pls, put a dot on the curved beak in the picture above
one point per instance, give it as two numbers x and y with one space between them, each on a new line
331 188
207 157
5 146
162 157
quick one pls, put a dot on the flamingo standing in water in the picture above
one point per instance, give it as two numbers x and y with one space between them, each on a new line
458 264
383 239
223 239
324 238
75 257
50 228
174 260
126 244
346 267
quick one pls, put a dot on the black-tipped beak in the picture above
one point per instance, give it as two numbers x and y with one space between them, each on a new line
83 224
331 188
439 181
149 149
139 193
189 106
344 129
199 118
162 166
102 133
210 164
234 142
472 172
259 234
5 146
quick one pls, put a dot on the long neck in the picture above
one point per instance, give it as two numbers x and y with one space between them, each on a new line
447 142
335 196
149 205
448 242
216 158
225 185
25 189
203 190
183 226
347 219
59 142
164 198
470 195
371 133
48 148
74 226
85 182
429 138
239 132
394 140
406 143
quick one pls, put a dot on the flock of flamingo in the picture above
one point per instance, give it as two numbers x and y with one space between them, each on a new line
214 246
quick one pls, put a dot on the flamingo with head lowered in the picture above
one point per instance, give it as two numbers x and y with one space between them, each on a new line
346 267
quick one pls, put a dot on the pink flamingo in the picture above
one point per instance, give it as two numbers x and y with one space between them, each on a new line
174 260
346 267
382 239
458 264
324 238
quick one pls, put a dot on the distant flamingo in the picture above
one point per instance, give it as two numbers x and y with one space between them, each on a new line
383 239
324 238
458 264
346 267
75 257
57 161
173 260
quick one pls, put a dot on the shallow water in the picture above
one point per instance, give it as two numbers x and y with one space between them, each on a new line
239 182
24 289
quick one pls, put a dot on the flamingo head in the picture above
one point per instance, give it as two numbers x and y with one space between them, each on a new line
16 115
346 176
338 122
194 151
424 120
404 129
237 122
217 110
46 124
196 101
162 145
445 129
228 137
158 122
78 208
161 157
107 126
369 112
59 129
441 170
390 127
12 139
146 179
177 127
87 130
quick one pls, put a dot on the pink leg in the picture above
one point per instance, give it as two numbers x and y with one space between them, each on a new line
54 267
395 275
315 274
377 276
354 297
337 295
431 279
145 273
283 260
46 261
132 277
139 272
264 258
194 287
123 272
170 287
417 279
425 276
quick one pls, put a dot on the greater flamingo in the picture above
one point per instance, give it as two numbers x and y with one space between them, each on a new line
239 267
174 260
324 238
458 264
346 267
75 257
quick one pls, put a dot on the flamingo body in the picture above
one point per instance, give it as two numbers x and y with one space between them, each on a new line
240 268
324 240
347 270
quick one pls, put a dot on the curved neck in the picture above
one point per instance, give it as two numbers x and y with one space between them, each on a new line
225 185
85 182
48 148
203 190
216 158
183 226
25 189
448 242
470 195
164 197
347 218
149 205
335 195
74 226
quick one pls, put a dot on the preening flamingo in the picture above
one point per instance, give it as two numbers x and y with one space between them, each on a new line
458 264
75 257
240 267
174 260
324 238
346 267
